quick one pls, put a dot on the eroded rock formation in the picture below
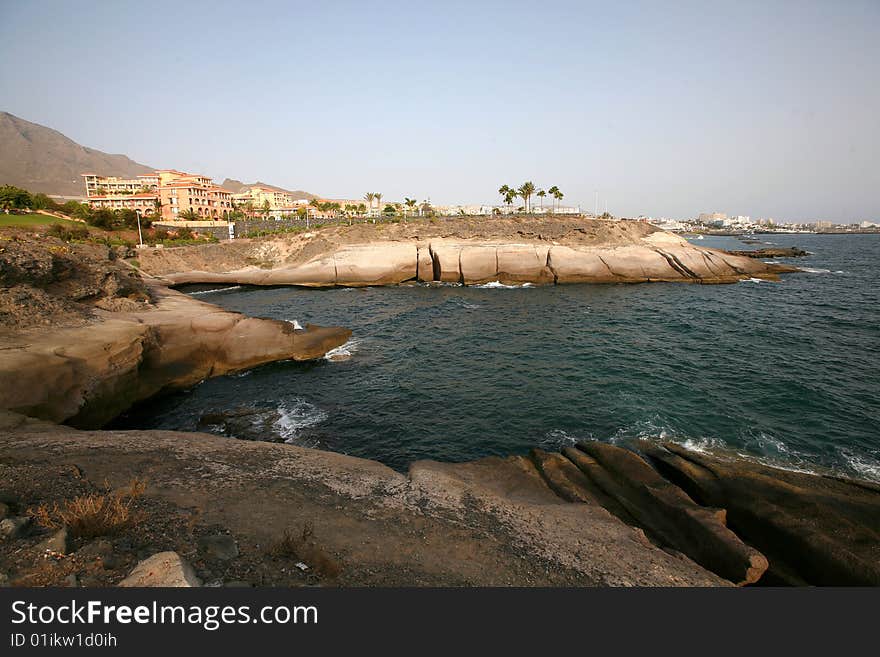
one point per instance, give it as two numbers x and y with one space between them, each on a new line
814 529
87 375
492 522
623 252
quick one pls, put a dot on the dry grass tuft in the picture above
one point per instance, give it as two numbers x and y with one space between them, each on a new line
302 546
88 516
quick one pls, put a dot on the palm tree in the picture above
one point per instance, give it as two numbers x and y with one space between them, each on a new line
525 192
410 203
553 191
558 195
509 197
505 192
368 197
508 194
541 194
188 215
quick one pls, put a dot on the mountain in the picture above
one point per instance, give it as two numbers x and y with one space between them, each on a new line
236 187
40 159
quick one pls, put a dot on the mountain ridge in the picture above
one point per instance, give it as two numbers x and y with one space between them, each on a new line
236 186
41 159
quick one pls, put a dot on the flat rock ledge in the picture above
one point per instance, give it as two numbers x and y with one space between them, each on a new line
593 514
88 375
660 257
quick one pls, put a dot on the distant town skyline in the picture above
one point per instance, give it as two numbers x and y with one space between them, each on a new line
764 109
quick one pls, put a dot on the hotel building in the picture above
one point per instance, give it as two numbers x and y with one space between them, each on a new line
258 196
174 192
111 185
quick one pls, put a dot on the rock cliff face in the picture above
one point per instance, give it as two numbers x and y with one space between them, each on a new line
87 375
319 260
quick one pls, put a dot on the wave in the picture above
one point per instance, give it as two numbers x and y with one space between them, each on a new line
498 285
813 270
212 291
294 416
865 467
753 280
463 303
558 438
345 351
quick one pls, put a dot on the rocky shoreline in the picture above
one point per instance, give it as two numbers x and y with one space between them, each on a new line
594 514
539 252
220 511
87 375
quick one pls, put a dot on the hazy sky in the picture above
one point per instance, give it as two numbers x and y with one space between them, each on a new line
769 109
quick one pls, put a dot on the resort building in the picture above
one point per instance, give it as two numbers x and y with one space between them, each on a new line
206 200
143 204
111 185
259 196
172 192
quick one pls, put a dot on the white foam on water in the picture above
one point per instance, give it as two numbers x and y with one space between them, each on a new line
865 466
219 289
811 270
654 429
498 285
458 301
294 416
345 351
556 438
753 280
702 445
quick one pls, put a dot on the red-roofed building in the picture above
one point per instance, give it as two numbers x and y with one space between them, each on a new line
169 191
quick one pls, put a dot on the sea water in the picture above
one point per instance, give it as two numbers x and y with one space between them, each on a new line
786 373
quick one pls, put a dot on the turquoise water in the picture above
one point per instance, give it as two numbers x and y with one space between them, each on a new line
788 373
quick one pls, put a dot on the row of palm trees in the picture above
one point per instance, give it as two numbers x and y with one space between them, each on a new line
525 192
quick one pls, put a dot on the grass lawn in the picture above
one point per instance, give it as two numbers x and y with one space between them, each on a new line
33 219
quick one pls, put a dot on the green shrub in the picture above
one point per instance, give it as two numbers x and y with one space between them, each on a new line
68 234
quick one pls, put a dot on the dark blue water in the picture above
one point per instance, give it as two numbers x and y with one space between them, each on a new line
788 373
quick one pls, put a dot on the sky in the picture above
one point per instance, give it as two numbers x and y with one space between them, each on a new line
666 109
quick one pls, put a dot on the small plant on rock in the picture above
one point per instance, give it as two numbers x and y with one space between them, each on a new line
88 516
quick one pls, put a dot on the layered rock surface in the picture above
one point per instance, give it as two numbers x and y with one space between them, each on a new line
818 530
595 514
490 522
624 252
86 375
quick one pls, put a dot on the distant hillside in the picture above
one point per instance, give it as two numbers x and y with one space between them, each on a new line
43 160
236 186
